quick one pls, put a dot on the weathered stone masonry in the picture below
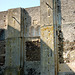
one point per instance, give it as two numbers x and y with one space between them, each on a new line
38 40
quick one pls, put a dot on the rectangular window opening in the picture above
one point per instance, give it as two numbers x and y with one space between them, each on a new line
32 51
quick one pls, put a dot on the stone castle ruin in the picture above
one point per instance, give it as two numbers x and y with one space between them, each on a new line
38 40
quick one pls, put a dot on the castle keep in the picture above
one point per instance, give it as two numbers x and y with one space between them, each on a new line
38 40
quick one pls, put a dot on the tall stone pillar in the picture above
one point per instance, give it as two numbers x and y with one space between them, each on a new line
14 60
47 38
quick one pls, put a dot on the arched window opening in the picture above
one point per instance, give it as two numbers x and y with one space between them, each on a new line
38 31
49 12
32 31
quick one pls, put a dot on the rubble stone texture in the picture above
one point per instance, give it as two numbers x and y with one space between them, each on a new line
38 40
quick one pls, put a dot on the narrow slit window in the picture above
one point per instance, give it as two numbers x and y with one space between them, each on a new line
32 31
48 12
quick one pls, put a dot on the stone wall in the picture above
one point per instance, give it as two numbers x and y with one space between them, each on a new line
2 50
68 29
32 56
32 60
69 43
28 17
32 18
3 19
2 39
32 30
33 68
48 65
2 53
67 38
32 41
68 11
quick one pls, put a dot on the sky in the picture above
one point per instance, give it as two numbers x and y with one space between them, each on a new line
8 4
